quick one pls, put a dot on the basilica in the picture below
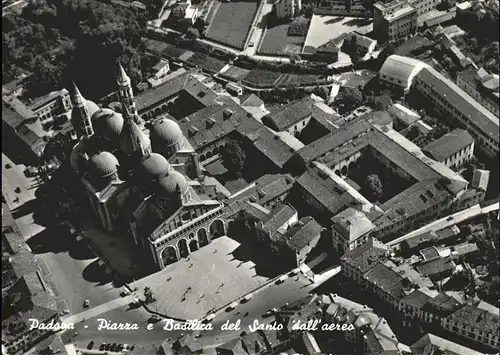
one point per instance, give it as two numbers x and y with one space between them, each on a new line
145 175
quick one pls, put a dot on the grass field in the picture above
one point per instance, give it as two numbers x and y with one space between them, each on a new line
236 73
231 23
262 77
277 42
207 63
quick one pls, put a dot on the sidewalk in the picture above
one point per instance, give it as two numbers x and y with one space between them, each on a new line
103 308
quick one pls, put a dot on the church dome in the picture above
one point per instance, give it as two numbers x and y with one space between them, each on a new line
92 107
166 132
108 124
154 166
78 156
103 164
167 186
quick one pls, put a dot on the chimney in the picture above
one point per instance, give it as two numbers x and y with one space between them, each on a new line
227 113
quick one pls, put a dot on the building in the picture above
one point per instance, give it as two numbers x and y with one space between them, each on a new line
400 72
461 108
326 193
482 86
424 6
394 20
364 45
292 118
453 149
288 9
480 179
25 295
351 228
128 180
51 105
474 324
432 343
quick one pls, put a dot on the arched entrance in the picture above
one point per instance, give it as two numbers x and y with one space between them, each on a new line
337 172
169 255
344 170
193 245
216 229
351 166
183 248
202 237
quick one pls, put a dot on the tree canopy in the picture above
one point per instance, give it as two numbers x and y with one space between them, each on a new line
60 41
233 157
373 186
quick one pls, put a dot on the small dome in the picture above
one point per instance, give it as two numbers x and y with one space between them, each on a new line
155 166
92 107
362 321
78 156
103 164
108 124
166 132
167 185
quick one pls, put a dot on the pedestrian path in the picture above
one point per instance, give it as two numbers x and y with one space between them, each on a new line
103 308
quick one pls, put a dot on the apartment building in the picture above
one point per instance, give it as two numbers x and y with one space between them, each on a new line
453 149
288 9
394 20
424 6
482 86
474 324
456 104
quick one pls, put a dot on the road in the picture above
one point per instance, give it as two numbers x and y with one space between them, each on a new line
448 221
69 268
292 289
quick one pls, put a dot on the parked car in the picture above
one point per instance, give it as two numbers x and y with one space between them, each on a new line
86 304
247 298
107 347
91 345
8 166
102 347
17 190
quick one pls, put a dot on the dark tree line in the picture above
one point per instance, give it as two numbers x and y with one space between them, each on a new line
63 40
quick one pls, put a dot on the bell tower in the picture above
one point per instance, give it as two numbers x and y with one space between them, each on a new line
80 114
125 94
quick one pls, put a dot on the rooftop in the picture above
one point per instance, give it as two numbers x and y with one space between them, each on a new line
449 144
430 343
279 216
436 266
480 117
352 223
476 318
302 233
387 279
290 114
366 256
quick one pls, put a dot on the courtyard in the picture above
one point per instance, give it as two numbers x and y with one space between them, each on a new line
210 278
323 28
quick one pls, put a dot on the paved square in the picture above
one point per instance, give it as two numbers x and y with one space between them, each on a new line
324 28
209 278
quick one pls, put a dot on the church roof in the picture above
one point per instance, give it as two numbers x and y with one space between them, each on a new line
108 124
154 166
166 132
103 164
132 139
168 185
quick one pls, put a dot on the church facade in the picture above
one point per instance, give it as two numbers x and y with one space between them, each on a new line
142 177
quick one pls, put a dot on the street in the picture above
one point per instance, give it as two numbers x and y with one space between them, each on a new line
70 268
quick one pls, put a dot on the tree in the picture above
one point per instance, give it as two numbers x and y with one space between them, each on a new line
308 10
374 187
233 157
193 32
382 102
153 8
349 98
413 133
200 25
